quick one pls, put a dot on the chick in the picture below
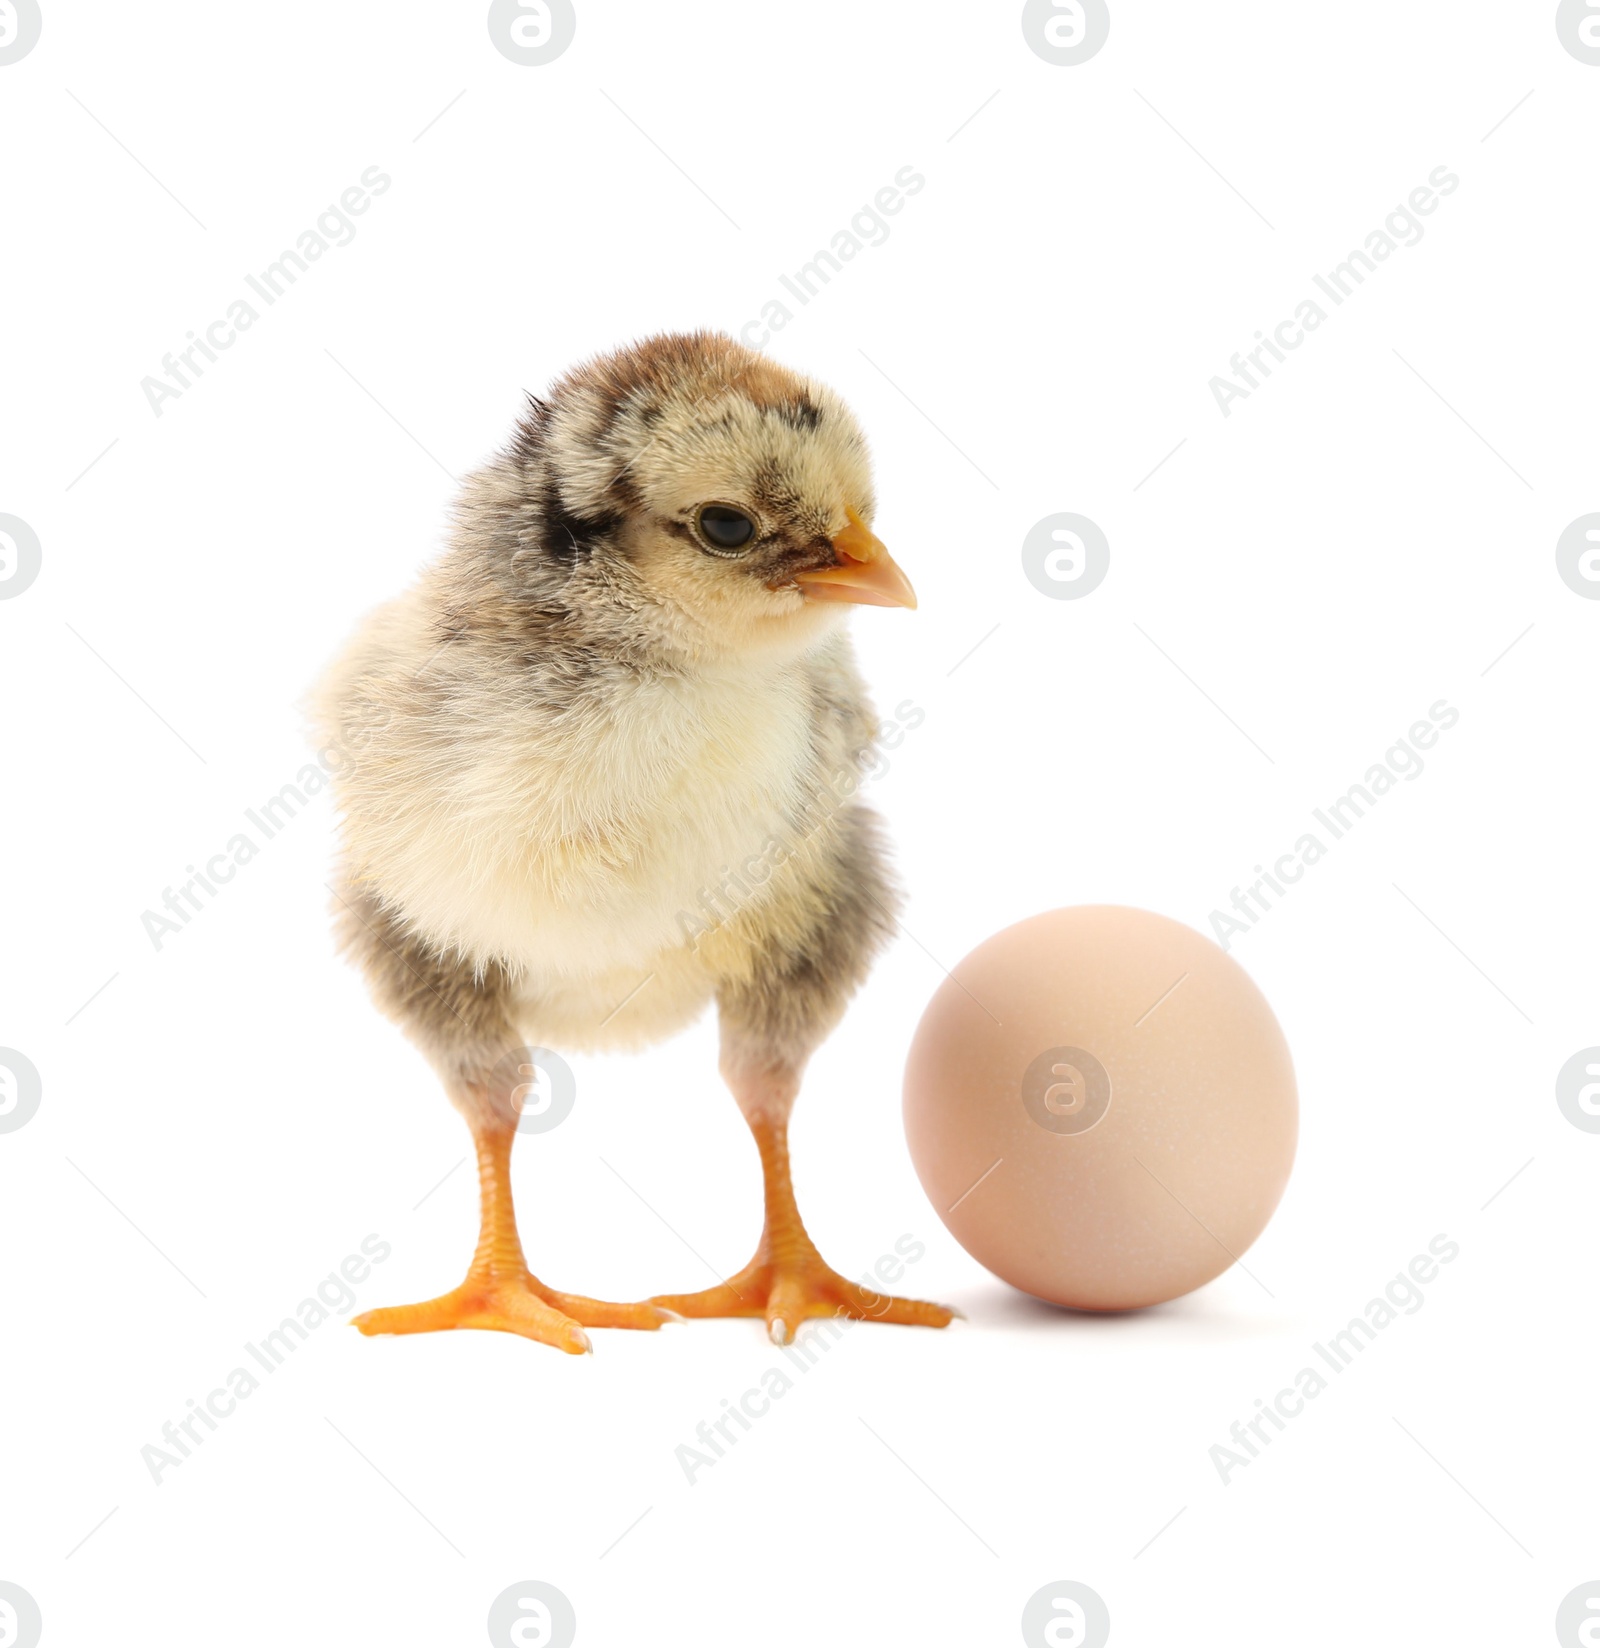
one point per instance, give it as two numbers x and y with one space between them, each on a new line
626 685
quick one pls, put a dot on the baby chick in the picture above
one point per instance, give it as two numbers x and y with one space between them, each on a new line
626 683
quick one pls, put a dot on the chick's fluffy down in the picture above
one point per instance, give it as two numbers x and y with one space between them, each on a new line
585 754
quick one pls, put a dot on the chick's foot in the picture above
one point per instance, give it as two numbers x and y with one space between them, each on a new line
795 1286
514 1302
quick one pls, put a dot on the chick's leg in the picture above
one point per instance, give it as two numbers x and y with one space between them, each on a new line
787 1281
819 941
458 1014
840 899
499 1291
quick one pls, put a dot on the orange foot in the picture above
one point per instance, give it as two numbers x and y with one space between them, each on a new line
791 1289
513 1302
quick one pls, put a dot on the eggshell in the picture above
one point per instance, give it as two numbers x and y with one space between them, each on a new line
1101 1107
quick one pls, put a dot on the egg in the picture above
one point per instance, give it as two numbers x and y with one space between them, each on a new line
1101 1107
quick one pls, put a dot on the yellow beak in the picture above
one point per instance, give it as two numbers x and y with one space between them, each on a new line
866 573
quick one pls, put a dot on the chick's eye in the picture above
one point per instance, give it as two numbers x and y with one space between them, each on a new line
725 528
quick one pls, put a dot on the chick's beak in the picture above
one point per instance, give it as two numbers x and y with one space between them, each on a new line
866 573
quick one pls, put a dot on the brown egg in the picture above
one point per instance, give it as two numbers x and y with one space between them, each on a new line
1101 1107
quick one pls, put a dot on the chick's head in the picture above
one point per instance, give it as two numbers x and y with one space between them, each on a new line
695 485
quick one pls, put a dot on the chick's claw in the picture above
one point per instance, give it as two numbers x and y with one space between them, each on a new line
796 1291
514 1304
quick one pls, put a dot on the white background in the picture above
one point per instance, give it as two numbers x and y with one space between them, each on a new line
1037 332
